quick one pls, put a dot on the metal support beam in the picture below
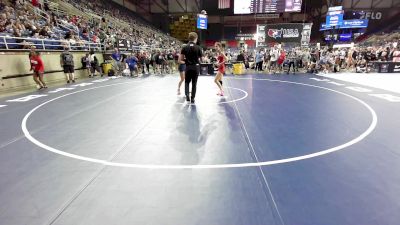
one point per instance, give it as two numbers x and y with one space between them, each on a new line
180 5
355 3
198 5
141 7
161 7
396 3
149 5
377 4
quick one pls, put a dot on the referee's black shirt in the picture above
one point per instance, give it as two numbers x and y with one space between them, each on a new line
192 53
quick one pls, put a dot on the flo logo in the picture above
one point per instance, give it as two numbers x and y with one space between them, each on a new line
274 33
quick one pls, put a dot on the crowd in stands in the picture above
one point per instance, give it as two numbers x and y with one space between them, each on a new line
18 19
103 23
279 59
357 59
138 32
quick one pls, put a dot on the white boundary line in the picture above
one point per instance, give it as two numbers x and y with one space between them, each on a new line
218 103
370 129
251 148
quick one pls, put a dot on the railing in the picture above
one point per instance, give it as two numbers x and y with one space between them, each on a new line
39 12
24 44
68 26
16 43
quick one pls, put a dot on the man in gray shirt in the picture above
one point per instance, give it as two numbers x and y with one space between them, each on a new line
67 62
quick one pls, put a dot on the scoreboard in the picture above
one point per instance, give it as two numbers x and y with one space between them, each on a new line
266 6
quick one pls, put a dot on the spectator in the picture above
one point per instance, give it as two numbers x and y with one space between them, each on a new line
259 60
37 67
292 61
274 53
132 62
94 64
171 61
396 54
86 63
117 64
240 57
35 3
67 62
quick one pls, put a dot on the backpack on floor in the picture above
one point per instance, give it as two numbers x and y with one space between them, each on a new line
111 73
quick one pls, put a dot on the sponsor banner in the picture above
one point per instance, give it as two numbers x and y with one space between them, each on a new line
347 24
395 68
260 41
335 20
335 8
122 44
334 13
288 33
388 67
125 45
324 27
244 37
306 34
345 37
354 24
202 21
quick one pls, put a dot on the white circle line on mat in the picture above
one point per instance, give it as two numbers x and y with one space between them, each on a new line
225 102
369 130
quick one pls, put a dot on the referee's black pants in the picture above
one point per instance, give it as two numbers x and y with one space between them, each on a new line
191 75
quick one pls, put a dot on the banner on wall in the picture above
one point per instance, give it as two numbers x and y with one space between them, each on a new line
202 21
122 44
260 37
125 45
306 34
288 33
347 24
244 37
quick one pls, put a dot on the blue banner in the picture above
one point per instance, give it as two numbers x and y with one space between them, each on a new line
354 24
347 24
334 20
345 37
202 21
324 27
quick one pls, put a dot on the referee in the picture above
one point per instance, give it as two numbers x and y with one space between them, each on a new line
191 54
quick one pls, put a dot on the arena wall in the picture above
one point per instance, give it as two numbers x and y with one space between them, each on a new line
15 66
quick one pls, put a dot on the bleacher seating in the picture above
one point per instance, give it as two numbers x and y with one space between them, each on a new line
76 23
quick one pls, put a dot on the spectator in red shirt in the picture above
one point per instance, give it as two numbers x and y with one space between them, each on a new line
74 20
38 68
281 60
35 3
94 38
